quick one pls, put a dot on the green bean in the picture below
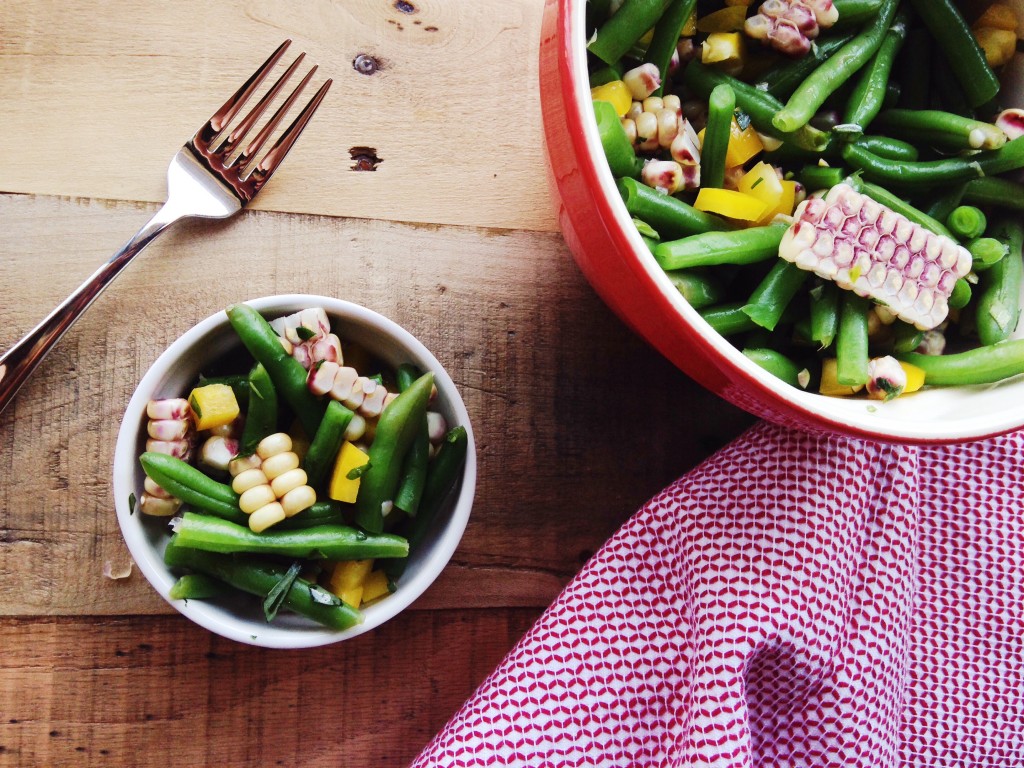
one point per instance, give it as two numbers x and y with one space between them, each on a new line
728 319
396 430
287 373
998 308
944 204
816 177
239 385
780 81
774 293
258 576
744 246
605 75
445 471
321 542
995 192
185 482
853 12
619 153
670 216
624 27
414 468
261 417
933 125
721 105
915 70
986 252
894 149
870 91
892 95
761 107
597 13
852 341
906 338
323 448
955 39
665 37
961 295
326 512
827 78
699 290
967 222
933 173
776 364
824 313
982 365
197 586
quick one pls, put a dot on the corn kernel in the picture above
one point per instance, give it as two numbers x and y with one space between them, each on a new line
250 478
297 500
279 442
289 481
256 498
266 516
280 463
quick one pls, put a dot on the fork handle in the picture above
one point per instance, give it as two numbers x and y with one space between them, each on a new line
17 364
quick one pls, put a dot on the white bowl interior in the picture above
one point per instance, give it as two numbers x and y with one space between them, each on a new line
240 617
935 414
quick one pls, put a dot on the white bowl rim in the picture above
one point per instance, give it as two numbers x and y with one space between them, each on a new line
866 417
218 620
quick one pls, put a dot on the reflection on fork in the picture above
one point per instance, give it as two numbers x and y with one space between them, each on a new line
208 178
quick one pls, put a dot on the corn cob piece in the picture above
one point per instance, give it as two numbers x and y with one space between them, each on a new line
344 384
170 431
273 489
306 336
789 26
877 253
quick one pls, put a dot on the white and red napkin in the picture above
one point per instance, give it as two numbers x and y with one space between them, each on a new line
797 600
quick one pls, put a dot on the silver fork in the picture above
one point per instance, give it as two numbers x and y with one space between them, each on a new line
203 180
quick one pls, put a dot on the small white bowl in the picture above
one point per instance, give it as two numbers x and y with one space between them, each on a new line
173 374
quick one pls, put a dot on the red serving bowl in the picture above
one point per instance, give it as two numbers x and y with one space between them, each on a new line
615 261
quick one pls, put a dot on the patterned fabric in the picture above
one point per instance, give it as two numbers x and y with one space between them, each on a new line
797 600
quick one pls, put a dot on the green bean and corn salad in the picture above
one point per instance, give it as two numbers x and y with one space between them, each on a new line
825 180
300 481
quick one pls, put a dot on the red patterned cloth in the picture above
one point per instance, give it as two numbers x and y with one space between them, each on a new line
797 600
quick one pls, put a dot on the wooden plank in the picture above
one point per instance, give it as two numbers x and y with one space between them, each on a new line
145 691
577 421
101 94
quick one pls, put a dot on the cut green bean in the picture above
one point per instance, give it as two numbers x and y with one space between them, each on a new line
884 146
914 66
744 246
854 12
414 469
831 75
721 105
261 416
666 36
781 81
967 222
961 295
852 341
323 448
774 293
869 93
983 365
185 482
824 313
818 177
619 153
776 364
670 216
604 75
954 131
197 586
728 319
995 192
946 24
998 307
624 27
943 205
986 252
906 338
258 577
699 290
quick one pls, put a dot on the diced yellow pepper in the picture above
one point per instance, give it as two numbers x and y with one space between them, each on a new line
724 20
731 204
998 16
763 182
376 586
722 48
615 93
342 487
830 381
743 144
690 27
999 45
915 377
213 405
786 203
347 579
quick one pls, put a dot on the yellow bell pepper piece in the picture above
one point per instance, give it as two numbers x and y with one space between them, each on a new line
731 204
213 405
342 487
999 45
998 16
615 93
743 144
915 377
347 580
376 586
762 182
722 48
786 203
830 382
690 27
724 20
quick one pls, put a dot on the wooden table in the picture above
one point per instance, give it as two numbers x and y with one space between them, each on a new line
453 235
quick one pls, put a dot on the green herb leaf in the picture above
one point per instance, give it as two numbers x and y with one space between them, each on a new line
305 333
754 185
195 407
378 378
276 597
131 503
317 364
320 595
356 472
742 119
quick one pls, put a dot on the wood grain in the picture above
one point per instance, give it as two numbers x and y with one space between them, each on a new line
577 421
157 690
101 95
